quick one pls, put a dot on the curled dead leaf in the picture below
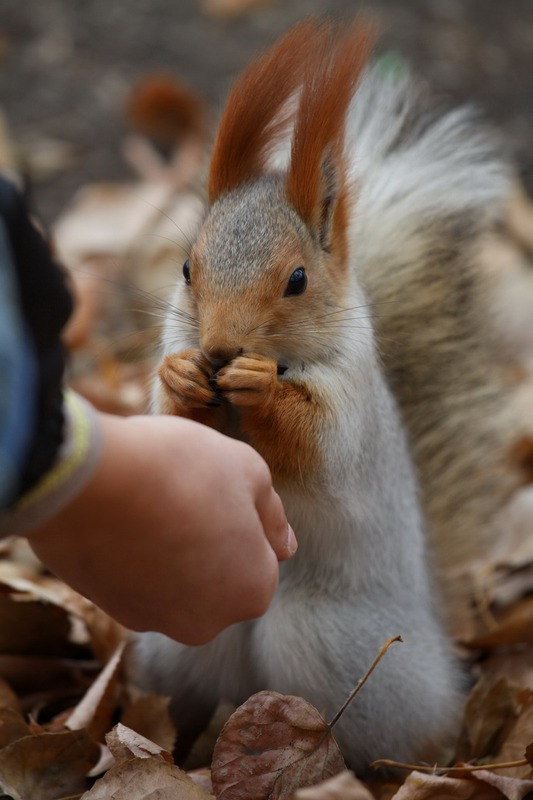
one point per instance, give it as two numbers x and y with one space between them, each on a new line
95 709
272 745
124 743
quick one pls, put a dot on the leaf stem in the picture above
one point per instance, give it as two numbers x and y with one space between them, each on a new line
363 680
385 762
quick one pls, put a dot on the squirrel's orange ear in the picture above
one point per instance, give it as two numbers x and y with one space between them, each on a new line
316 184
253 116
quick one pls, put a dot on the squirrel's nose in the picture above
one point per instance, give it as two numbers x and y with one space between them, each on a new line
220 356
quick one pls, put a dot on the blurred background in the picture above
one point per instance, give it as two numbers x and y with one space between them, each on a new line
67 66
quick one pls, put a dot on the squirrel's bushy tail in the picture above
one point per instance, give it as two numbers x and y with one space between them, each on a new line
429 189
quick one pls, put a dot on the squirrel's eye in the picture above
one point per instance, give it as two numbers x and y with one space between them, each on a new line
297 282
187 273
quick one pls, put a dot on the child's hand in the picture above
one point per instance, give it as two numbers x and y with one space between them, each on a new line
178 531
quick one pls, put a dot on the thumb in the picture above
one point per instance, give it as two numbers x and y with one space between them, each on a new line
279 533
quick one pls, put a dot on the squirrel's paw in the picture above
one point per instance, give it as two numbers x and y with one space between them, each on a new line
185 380
248 380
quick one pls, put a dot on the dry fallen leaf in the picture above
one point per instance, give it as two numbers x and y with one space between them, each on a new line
423 786
272 745
146 779
513 626
491 707
510 788
35 679
95 710
124 743
521 732
12 726
149 716
202 777
29 624
8 698
47 766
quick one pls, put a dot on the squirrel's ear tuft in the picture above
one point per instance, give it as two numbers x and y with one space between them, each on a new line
316 181
254 115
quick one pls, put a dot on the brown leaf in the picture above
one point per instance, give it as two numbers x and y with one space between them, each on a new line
344 786
125 744
149 716
520 734
202 777
426 786
8 698
514 626
95 710
31 625
47 766
45 676
104 633
12 726
272 745
146 779
498 719
515 666
510 788
491 708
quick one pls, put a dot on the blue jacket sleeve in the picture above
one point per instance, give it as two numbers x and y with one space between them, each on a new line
36 304
17 378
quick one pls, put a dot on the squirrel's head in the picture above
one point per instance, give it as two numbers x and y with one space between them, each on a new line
268 270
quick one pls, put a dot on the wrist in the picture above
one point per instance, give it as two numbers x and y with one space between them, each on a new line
76 462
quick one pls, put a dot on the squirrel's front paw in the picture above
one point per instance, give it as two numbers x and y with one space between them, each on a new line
185 380
249 380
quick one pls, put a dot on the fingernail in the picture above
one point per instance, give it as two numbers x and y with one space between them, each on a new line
292 544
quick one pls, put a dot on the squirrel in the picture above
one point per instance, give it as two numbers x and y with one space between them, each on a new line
270 338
